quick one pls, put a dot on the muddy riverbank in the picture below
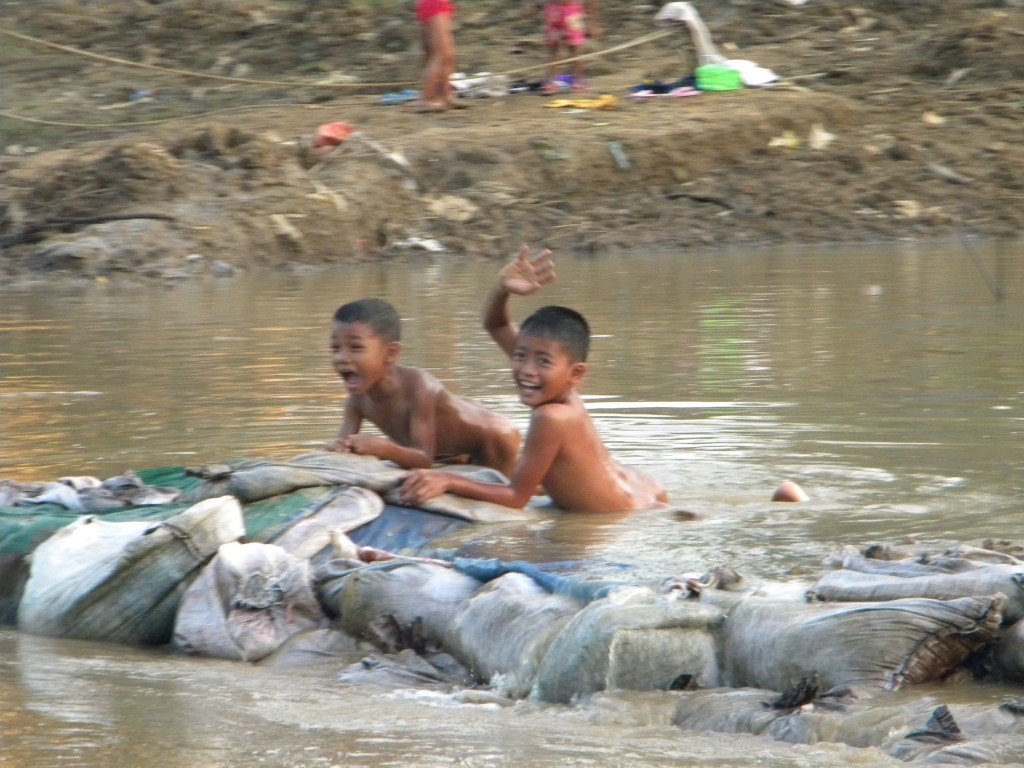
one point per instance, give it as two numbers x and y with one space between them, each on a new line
890 121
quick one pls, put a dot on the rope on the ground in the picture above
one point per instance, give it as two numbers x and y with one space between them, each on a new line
247 81
157 121
292 83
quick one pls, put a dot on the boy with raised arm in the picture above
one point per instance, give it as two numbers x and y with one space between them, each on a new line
563 452
423 421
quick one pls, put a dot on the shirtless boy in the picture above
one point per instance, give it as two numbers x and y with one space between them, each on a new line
423 421
563 452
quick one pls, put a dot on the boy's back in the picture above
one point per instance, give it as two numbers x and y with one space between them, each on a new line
583 475
421 411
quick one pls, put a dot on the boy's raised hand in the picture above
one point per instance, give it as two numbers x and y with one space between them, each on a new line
525 275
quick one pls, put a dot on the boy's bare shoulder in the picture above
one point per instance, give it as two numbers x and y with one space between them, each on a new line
559 413
417 382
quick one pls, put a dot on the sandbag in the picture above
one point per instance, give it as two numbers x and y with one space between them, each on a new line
1007 660
633 640
123 581
727 710
257 479
902 726
246 603
22 529
314 648
834 717
941 741
870 648
503 631
434 670
855 587
408 591
343 510
848 558
408 530
260 479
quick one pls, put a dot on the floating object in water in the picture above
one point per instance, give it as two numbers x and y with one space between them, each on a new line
789 491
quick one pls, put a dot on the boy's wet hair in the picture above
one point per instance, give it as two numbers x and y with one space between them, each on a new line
563 325
378 314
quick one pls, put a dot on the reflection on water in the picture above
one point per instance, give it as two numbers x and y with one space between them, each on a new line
886 382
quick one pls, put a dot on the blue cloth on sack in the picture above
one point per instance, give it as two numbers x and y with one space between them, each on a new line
579 589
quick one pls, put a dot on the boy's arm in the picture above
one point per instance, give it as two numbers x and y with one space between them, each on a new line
407 457
543 442
419 454
521 276
350 424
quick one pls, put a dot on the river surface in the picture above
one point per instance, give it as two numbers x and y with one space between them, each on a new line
887 381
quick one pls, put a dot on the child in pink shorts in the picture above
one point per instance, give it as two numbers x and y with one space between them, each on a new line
566 21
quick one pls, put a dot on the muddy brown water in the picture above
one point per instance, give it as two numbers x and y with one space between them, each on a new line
887 381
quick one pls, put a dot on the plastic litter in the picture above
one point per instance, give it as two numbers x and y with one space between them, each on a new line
752 75
402 97
481 85
332 134
605 101
788 139
685 13
421 243
619 155
818 137
717 77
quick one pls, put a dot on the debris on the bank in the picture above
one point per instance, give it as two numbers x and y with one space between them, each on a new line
948 174
332 134
619 155
420 243
328 195
787 139
956 76
399 97
605 101
685 13
337 78
284 229
452 208
819 138
482 85
933 119
907 209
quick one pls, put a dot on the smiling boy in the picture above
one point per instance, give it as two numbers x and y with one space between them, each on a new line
563 452
422 420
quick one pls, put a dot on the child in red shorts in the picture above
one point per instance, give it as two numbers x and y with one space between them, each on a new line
566 21
439 45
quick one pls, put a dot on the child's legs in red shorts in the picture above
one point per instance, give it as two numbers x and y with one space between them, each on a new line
440 49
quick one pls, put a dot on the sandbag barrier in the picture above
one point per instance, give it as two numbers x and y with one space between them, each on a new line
298 573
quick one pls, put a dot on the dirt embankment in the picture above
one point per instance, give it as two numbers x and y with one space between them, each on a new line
892 120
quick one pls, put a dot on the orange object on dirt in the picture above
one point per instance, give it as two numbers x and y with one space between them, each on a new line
332 134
